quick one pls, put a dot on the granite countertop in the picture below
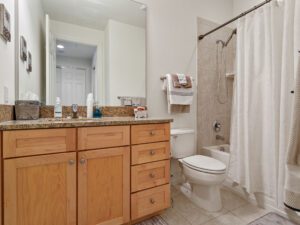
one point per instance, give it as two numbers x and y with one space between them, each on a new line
84 122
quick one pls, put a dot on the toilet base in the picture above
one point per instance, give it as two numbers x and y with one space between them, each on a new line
206 197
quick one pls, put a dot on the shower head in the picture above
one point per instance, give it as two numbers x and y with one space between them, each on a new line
220 41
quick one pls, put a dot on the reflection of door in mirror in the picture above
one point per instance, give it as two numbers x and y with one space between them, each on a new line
71 85
75 72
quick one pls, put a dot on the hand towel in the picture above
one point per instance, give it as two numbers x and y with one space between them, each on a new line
292 182
182 79
179 99
177 84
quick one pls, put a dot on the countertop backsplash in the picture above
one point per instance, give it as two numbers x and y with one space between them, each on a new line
7 112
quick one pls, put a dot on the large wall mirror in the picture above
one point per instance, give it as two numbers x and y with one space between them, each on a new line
70 48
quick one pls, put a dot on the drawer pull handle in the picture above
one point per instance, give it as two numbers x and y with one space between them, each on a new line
82 161
71 162
152 133
152 201
152 152
152 175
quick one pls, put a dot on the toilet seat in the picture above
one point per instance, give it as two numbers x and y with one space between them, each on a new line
205 164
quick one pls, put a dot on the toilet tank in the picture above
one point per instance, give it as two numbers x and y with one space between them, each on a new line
182 143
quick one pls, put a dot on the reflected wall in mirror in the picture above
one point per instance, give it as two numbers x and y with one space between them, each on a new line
81 47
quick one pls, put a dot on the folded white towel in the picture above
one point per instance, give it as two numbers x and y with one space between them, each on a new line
182 79
177 96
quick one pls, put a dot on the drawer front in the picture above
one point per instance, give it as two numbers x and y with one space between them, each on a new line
37 142
141 134
103 137
150 152
150 201
150 175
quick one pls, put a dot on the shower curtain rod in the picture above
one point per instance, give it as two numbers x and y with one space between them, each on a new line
234 19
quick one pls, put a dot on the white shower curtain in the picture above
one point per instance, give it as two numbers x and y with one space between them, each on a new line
262 98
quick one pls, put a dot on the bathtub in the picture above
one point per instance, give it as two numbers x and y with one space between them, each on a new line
220 152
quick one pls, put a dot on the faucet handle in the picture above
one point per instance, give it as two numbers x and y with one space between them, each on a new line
74 108
74 111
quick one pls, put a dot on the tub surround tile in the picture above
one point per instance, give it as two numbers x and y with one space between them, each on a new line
68 123
6 113
209 109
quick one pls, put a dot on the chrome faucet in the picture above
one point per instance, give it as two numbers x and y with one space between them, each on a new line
74 111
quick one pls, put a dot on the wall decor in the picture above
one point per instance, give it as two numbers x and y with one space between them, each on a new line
4 23
29 62
23 49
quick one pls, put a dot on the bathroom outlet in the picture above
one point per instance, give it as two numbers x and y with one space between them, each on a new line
5 94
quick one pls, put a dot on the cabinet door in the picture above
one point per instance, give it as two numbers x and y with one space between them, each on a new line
104 187
40 190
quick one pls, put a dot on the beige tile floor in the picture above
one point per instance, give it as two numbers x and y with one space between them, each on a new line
236 211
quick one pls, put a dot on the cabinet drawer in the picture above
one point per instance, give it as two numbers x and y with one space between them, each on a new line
150 201
150 175
150 152
37 142
141 134
103 137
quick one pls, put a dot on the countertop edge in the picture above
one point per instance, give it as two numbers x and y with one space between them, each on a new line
33 125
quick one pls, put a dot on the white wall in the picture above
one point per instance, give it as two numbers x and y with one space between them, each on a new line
83 35
172 46
240 6
7 59
126 61
31 26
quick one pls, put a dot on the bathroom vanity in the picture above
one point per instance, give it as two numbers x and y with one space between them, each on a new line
108 171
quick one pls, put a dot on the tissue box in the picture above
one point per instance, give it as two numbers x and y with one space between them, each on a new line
27 110
140 113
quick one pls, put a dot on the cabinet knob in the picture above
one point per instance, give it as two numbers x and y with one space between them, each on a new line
152 201
71 162
82 161
152 175
152 152
152 133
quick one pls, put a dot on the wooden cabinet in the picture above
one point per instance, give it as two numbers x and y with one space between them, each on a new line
40 190
104 187
150 175
141 134
150 201
38 142
150 152
109 175
103 137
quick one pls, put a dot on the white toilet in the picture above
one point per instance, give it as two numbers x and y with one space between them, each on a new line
203 175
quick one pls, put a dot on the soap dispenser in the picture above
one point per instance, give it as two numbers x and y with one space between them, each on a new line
58 109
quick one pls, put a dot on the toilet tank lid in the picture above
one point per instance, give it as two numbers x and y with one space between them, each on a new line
180 131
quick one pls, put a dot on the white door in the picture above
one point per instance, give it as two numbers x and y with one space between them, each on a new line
73 86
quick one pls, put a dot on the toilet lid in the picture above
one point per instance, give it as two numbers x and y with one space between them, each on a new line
205 164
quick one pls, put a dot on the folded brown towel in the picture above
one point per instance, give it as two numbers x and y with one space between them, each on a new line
176 83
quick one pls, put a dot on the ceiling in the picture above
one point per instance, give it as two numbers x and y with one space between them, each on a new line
95 13
76 50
